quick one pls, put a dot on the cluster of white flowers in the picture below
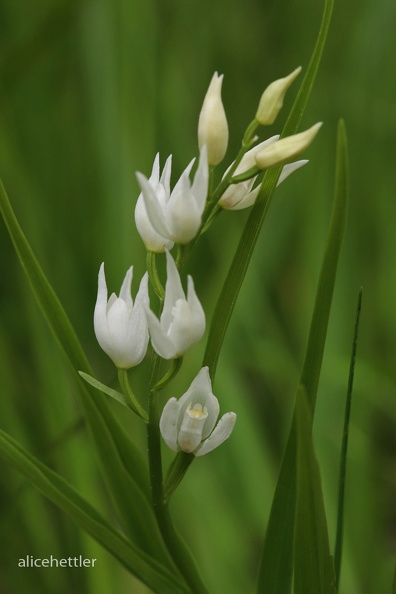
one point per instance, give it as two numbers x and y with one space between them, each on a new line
164 217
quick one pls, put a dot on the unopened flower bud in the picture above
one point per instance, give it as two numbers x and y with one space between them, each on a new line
286 149
271 101
212 123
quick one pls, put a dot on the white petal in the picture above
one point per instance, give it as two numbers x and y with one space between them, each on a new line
182 179
173 291
125 292
152 240
290 168
100 313
154 177
169 423
220 434
160 341
196 309
248 200
182 216
181 331
137 329
166 174
236 194
117 323
201 179
248 159
155 211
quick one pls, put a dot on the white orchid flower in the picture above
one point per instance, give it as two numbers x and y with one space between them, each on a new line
182 321
121 325
161 185
177 215
241 195
189 424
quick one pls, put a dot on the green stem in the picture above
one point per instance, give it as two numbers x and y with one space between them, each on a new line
228 296
153 275
176 472
127 390
180 554
173 370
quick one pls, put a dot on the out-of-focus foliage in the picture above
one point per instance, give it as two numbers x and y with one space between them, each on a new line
90 90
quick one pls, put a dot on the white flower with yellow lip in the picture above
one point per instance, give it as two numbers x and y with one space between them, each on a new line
189 424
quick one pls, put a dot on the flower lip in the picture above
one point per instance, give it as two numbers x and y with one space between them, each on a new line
189 424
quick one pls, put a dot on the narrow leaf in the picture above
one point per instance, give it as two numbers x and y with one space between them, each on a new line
121 462
276 568
394 582
105 389
55 488
232 285
313 565
344 448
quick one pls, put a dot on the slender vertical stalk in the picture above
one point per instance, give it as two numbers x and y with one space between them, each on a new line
344 450
180 554
127 390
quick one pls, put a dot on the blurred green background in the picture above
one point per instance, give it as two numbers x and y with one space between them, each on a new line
90 90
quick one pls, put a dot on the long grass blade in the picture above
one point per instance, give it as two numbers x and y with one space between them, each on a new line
55 488
276 568
313 564
344 448
121 462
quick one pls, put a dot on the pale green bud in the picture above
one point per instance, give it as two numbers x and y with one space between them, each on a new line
271 101
285 149
212 123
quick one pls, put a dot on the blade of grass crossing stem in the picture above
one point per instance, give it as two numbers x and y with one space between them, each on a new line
344 448
121 462
55 488
227 299
313 565
324 293
275 572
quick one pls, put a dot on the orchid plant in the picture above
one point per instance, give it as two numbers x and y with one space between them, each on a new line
171 221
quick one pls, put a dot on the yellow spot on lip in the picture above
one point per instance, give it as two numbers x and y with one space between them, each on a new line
197 414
